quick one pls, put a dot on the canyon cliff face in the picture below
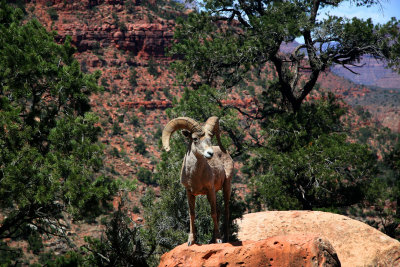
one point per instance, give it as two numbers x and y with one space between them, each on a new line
102 24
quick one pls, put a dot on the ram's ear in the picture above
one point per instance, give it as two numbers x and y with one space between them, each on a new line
186 134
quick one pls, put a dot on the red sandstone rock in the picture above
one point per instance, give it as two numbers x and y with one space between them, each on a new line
292 250
144 39
356 243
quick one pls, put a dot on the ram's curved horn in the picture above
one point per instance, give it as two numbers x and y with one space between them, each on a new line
212 125
177 124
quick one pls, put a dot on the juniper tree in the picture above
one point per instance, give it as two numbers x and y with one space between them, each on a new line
49 155
229 38
301 157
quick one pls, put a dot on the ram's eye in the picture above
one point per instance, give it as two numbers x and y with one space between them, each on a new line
195 139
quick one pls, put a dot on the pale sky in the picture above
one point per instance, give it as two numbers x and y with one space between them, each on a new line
378 13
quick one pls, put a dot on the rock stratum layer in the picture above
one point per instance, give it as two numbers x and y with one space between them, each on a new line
98 24
356 243
292 250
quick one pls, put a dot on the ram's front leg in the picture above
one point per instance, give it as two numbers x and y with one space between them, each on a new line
213 203
192 206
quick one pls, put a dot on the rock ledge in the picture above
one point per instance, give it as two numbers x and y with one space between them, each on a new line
290 250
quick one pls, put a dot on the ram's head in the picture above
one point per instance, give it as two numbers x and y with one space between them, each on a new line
200 136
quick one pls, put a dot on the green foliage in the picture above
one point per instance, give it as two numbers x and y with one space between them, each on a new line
130 6
158 133
134 120
145 176
165 9
104 83
152 68
364 134
133 79
122 27
35 242
148 95
49 155
71 258
167 93
142 109
393 158
122 244
8 255
385 188
116 128
222 54
308 163
18 4
52 13
136 209
392 161
115 152
140 145
121 118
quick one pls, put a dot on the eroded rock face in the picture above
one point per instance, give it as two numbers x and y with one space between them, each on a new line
145 40
291 250
92 25
356 243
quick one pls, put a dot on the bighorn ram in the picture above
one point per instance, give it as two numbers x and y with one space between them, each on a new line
206 169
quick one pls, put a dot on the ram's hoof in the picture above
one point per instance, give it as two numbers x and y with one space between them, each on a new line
191 240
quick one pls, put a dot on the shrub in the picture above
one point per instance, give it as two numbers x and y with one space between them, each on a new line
116 129
134 120
52 13
152 68
122 244
145 176
140 146
133 79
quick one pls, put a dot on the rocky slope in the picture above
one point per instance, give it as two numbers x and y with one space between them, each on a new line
356 243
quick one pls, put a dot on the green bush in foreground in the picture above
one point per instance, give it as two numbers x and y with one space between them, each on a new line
49 156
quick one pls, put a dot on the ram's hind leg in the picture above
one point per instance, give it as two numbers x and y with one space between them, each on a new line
227 196
213 204
192 206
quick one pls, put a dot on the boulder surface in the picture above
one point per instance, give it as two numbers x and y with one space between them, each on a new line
356 243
